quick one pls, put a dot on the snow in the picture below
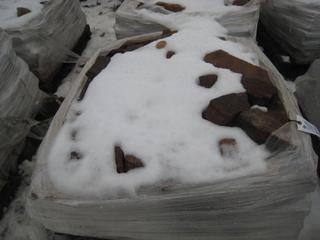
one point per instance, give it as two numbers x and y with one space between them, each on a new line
154 113
262 108
8 12
217 6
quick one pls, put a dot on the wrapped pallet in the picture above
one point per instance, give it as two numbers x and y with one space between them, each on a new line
240 18
43 32
133 152
307 92
294 24
19 97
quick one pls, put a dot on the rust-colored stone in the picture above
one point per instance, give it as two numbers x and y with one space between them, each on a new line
124 162
208 81
22 11
161 44
170 54
132 162
223 110
229 148
119 159
140 4
240 2
171 6
259 124
254 79
75 155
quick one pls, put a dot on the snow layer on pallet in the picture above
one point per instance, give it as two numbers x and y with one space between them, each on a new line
154 113
133 19
218 6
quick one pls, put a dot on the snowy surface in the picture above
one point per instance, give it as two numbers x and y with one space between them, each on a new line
154 113
217 6
17 225
8 12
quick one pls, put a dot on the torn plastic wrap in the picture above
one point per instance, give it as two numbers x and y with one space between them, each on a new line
295 25
307 92
238 23
45 41
268 206
19 98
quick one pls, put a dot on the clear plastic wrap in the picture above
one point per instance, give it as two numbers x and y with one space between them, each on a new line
238 23
307 92
19 97
295 25
45 41
266 206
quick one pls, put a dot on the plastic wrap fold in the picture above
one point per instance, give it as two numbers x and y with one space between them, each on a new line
295 25
307 92
19 97
238 23
45 42
267 206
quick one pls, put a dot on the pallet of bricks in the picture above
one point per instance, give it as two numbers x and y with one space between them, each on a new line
183 134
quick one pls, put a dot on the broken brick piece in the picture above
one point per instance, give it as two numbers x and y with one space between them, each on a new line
170 54
126 163
161 44
22 11
140 4
119 159
208 81
223 110
75 155
132 162
240 2
229 148
259 124
100 64
171 6
254 79
260 92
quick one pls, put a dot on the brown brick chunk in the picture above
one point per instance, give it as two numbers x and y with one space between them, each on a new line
259 124
223 110
229 148
171 6
22 11
126 163
208 81
254 79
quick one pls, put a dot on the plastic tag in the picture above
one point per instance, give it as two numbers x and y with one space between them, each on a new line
307 127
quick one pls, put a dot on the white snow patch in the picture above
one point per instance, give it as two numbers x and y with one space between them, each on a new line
151 106
262 108
191 6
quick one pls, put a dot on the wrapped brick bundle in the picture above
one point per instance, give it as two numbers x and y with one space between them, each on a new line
19 97
307 90
182 143
43 32
240 19
295 25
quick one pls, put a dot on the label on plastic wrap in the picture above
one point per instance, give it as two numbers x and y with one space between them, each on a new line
307 127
